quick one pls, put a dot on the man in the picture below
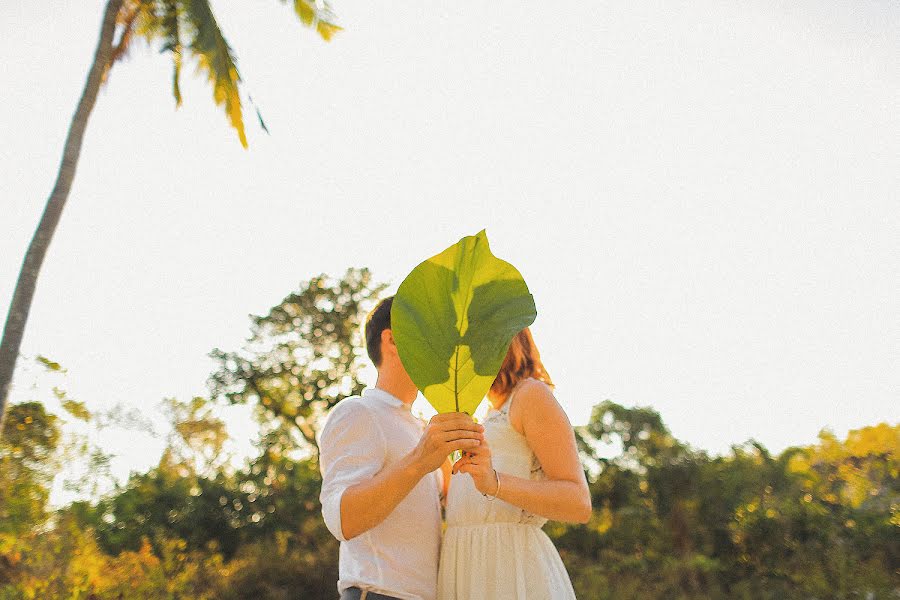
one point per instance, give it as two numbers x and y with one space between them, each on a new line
382 480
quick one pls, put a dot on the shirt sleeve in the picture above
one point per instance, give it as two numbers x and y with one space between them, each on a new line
352 449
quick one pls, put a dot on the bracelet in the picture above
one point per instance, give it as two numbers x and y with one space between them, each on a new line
497 491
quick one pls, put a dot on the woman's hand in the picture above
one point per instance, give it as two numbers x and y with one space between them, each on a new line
477 463
446 433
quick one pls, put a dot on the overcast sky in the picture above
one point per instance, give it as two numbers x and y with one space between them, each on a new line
702 196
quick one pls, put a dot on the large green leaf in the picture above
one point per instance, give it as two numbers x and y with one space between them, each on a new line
453 318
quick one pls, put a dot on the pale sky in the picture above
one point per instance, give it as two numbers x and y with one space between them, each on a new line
702 196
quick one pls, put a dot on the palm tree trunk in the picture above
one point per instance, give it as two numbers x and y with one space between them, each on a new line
37 249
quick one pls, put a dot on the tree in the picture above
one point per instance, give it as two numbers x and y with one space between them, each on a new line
674 522
263 520
188 496
184 28
27 466
34 449
197 440
301 358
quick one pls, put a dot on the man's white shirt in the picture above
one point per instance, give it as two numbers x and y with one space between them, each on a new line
399 556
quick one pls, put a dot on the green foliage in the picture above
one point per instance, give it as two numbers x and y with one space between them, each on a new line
318 15
74 407
48 364
64 562
453 318
27 465
188 29
667 525
673 522
205 513
216 59
669 522
170 17
198 437
37 447
301 358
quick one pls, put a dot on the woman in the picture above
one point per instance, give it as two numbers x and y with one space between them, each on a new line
502 493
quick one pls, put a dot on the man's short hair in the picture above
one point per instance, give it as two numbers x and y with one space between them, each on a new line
377 321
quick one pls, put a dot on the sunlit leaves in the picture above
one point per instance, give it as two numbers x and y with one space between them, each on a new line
799 524
633 437
317 14
215 58
170 30
77 409
48 364
30 435
453 318
301 357
188 29
64 562
744 524
327 30
198 437
852 471
27 466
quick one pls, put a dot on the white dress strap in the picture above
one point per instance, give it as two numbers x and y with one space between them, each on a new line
512 393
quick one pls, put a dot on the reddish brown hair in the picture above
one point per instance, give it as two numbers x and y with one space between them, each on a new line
522 361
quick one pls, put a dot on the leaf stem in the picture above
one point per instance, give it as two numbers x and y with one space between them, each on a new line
456 378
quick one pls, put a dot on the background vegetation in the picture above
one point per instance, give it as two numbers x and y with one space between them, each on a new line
670 521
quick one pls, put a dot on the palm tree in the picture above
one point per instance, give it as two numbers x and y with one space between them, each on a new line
187 29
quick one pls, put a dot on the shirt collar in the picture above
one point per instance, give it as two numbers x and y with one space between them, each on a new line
386 397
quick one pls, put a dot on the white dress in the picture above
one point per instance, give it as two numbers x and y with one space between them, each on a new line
493 550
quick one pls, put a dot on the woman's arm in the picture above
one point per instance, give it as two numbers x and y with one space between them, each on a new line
564 494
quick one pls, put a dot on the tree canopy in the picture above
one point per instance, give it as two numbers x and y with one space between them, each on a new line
670 521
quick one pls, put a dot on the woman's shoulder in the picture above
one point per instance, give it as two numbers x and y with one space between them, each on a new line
533 397
534 388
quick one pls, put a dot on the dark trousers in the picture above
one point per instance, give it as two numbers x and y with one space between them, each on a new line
354 593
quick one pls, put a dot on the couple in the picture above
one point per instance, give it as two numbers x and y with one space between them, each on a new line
385 474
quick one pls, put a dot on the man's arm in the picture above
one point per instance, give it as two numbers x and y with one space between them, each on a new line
358 491
366 504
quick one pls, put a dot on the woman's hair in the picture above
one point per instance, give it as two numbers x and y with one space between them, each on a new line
522 361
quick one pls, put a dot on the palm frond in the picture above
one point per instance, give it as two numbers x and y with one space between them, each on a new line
126 20
170 30
215 58
327 30
259 116
318 15
190 26
147 24
306 11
